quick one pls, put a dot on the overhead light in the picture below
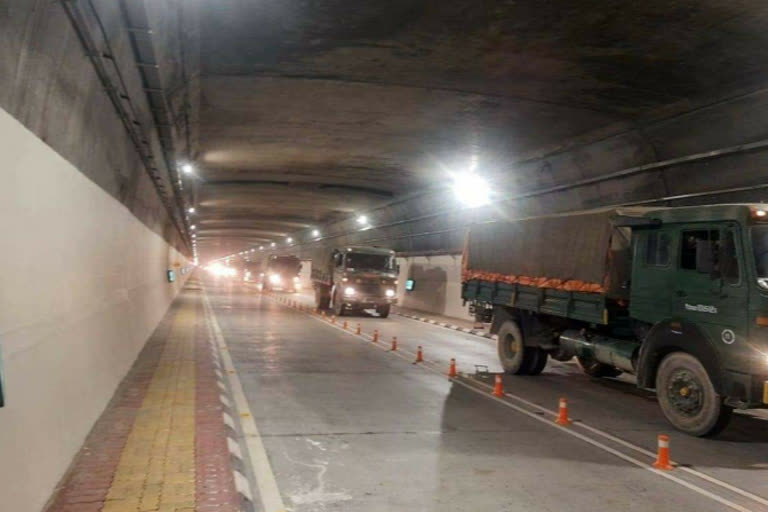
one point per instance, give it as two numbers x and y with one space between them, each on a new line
253 250
315 233
194 235
191 209
187 168
261 248
272 244
289 240
471 189
192 227
362 219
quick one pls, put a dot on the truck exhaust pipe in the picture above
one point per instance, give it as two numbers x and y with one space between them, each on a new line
618 353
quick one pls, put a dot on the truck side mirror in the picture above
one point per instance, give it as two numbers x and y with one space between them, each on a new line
705 257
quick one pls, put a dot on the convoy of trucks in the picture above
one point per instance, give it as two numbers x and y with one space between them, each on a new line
676 296
353 279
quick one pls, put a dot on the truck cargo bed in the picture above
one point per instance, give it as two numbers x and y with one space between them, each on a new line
587 307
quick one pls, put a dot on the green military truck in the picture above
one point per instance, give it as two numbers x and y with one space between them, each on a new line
352 279
676 296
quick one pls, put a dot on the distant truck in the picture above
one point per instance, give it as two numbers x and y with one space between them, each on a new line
351 279
282 273
676 296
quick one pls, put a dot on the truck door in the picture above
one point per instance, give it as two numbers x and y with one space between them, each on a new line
653 272
710 289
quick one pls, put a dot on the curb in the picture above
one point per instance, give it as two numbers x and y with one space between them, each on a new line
475 332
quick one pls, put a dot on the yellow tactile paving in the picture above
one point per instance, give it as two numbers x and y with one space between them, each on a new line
156 471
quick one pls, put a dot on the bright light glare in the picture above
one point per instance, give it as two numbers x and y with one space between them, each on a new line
192 227
349 290
272 244
191 209
274 279
261 248
219 270
390 293
471 190
315 233
187 168
362 219
289 240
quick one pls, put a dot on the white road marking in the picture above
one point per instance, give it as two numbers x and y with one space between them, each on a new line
234 448
262 469
407 355
242 485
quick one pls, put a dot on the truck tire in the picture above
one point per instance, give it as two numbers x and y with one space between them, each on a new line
596 369
537 361
687 397
383 310
514 356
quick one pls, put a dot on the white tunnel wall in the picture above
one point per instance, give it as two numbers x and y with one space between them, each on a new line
437 285
82 286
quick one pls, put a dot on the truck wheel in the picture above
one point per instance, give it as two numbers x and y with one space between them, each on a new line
515 357
596 369
537 360
688 398
383 310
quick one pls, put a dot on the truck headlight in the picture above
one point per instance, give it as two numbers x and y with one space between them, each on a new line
390 292
274 279
349 290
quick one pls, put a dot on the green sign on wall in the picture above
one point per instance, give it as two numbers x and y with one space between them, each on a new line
2 383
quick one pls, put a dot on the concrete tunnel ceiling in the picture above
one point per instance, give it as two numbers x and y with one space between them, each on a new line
314 110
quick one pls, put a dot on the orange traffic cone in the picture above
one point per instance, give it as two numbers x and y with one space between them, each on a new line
662 457
375 336
452 369
498 389
344 326
394 343
562 414
357 331
419 355
333 319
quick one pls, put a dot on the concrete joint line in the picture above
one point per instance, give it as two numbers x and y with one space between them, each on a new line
428 366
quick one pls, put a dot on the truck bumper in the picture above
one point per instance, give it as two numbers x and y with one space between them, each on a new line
745 391
368 302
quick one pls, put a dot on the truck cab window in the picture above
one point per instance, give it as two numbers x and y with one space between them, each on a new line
697 246
657 249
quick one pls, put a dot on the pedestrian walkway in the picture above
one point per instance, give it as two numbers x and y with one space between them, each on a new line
161 444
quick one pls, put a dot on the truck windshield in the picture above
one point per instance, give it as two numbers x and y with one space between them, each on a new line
360 261
760 248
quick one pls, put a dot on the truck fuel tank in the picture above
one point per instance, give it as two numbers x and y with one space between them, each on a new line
621 354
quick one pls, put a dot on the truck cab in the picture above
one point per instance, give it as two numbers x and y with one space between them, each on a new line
282 273
699 285
356 279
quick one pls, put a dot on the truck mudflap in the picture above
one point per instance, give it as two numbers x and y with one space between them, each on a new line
745 391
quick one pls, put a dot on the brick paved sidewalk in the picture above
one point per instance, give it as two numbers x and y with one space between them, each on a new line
161 444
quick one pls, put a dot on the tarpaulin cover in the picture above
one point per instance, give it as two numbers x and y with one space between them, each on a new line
567 252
